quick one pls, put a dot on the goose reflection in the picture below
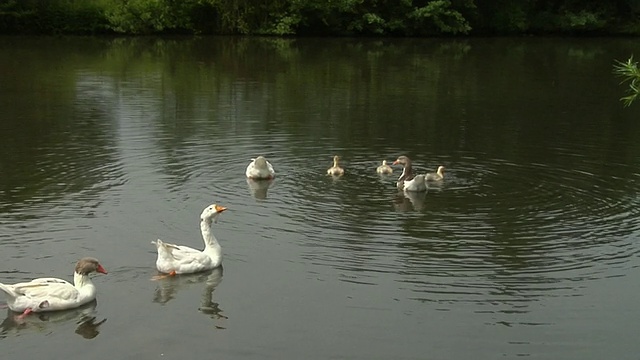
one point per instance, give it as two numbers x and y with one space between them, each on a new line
436 186
258 188
409 200
169 287
48 322
207 305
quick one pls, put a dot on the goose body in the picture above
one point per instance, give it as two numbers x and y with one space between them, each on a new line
51 294
437 176
417 184
179 259
407 180
335 170
384 168
260 169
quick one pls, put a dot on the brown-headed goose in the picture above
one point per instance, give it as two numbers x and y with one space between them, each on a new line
51 294
407 180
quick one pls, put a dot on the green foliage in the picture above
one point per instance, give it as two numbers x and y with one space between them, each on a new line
629 72
438 17
150 16
512 18
52 16
12 15
370 23
319 17
384 17
552 16
327 17
585 20
284 25
503 16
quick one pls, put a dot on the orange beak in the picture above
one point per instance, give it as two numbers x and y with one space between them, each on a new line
395 162
220 208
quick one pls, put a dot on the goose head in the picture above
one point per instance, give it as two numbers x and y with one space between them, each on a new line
402 160
260 162
440 170
211 212
407 172
87 265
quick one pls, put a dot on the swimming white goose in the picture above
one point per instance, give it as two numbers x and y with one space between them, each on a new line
51 294
179 259
407 180
260 169
384 168
437 176
335 170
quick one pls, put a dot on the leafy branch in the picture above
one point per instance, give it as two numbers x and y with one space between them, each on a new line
628 71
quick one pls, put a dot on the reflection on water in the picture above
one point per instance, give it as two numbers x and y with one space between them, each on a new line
135 136
208 305
410 200
54 321
258 188
88 327
168 288
491 226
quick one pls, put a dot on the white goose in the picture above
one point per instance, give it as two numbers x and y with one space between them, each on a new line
179 259
437 176
407 181
260 169
51 294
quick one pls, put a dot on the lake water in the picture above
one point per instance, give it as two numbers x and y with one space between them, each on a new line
529 248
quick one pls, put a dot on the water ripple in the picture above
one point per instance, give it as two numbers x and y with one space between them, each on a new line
490 227
492 222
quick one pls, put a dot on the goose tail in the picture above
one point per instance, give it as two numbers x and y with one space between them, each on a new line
162 245
8 289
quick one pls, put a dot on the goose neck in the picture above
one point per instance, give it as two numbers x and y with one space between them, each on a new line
207 234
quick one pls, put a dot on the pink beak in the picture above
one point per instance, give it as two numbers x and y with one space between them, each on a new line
101 269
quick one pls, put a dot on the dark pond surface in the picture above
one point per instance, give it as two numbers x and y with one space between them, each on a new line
529 247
